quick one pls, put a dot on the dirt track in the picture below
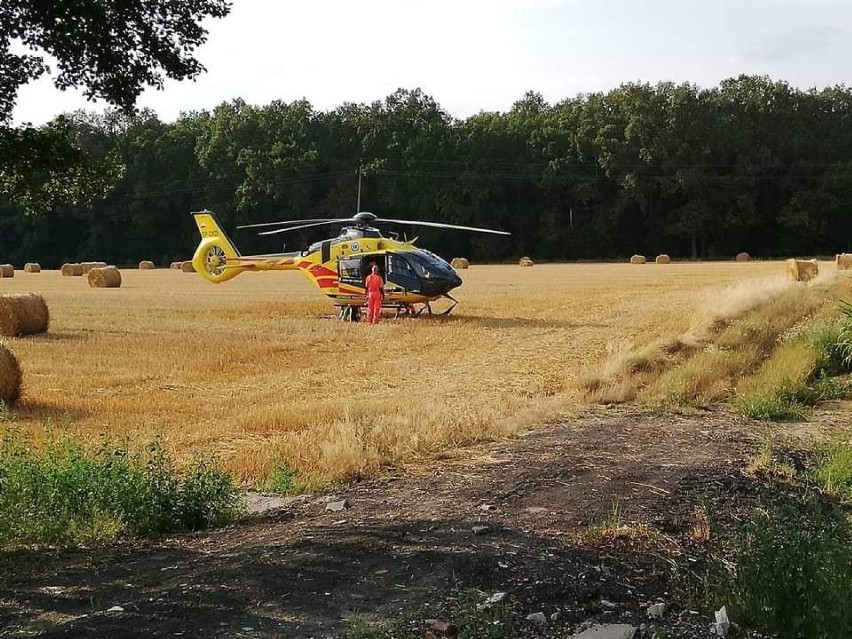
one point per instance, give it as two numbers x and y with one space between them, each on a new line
407 544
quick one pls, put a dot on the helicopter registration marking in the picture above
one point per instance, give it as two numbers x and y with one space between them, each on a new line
211 233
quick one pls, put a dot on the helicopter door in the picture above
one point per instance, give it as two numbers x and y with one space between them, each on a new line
400 273
349 271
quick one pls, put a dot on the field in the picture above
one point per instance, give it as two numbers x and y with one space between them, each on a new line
259 372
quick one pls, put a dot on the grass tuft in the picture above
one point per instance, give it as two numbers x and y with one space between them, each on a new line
62 494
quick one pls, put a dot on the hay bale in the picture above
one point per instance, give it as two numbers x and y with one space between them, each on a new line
802 270
742 257
23 314
88 266
175 265
104 277
663 259
525 262
187 267
10 377
72 270
460 263
146 265
7 270
32 267
638 259
843 261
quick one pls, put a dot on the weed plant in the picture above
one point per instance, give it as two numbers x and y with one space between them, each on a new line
62 494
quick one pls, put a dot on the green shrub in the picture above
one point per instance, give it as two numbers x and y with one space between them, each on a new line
283 480
793 570
833 470
62 494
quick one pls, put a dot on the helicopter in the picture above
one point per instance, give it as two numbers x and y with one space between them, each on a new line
414 277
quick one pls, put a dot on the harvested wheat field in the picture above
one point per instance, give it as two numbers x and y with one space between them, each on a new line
257 370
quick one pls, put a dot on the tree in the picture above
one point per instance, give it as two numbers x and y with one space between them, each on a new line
112 50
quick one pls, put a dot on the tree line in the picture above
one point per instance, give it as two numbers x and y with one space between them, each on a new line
750 165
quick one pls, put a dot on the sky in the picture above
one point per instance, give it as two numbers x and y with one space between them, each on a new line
483 55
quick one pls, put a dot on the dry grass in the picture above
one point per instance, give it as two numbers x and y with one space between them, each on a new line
257 371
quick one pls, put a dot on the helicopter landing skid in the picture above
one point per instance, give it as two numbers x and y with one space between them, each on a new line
427 307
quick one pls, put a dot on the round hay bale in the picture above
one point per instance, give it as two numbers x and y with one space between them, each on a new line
525 262
843 261
32 267
146 265
742 257
104 277
23 314
10 377
88 266
187 267
72 270
638 259
460 263
175 265
7 270
663 259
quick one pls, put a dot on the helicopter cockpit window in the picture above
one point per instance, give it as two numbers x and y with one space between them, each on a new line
349 270
397 264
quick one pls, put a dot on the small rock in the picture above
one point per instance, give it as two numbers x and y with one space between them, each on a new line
444 628
497 597
536 510
116 609
723 624
488 507
555 617
607 604
608 631
337 506
656 611
479 530
537 618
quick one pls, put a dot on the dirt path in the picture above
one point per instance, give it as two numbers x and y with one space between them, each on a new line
517 516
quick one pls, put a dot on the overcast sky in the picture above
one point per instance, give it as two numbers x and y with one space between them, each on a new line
475 55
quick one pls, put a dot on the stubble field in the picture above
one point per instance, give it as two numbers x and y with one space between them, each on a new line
258 372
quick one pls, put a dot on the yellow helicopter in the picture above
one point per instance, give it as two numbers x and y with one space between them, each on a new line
414 277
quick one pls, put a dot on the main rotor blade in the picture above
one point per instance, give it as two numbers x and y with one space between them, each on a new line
303 226
286 222
445 226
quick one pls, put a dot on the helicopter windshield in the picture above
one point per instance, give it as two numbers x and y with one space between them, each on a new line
428 265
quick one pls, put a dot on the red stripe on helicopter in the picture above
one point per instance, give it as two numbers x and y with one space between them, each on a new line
319 270
327 282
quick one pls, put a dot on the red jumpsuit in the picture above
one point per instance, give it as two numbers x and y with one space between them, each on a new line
375 286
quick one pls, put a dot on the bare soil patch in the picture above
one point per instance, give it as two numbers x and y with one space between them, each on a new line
548 517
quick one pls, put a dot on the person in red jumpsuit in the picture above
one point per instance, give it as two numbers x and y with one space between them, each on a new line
375 286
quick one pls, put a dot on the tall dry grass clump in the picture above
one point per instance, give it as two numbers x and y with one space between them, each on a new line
7 270
23 314
843 261
187 267
728 336
146 265
10 377
663 259
525 262
802 270
742 257
638 259
104 277
71 270
32 267
88 266
460 263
